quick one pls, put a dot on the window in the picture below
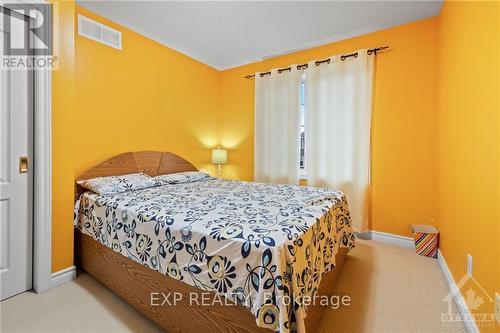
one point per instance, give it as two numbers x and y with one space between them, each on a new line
302 128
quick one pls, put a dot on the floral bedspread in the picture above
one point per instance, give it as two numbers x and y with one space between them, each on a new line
257 244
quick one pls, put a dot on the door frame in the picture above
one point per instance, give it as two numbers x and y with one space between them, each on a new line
42 171
42 181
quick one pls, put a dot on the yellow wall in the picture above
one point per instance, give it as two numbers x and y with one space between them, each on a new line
63 111
403 163
468 133
144 97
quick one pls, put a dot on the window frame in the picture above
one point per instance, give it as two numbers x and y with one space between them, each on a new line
302 146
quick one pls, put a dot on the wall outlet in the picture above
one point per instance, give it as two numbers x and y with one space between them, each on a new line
469 265
497 308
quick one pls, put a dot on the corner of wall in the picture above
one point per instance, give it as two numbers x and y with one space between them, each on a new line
63 107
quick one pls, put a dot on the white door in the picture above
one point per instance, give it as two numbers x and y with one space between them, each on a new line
15 182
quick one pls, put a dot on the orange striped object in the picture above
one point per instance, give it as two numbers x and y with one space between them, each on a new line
426 240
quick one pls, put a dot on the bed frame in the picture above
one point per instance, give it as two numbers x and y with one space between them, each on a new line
135 283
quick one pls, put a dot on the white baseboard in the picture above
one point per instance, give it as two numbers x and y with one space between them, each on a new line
63 276
388 238
457 295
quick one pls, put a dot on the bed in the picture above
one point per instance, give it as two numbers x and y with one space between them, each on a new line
210 254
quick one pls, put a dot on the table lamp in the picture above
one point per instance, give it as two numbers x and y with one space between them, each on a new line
219 157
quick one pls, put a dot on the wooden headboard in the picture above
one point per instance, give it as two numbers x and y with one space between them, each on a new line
152 163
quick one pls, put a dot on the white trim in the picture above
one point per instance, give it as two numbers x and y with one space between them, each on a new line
42 192
63 276
388 238
457 295
42 208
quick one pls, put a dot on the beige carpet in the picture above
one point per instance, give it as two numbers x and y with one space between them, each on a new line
391 289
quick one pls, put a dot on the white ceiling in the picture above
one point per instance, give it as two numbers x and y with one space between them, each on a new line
226 34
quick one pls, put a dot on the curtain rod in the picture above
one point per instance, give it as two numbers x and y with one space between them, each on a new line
319 62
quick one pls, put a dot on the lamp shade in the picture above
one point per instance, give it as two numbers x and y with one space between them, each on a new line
219 156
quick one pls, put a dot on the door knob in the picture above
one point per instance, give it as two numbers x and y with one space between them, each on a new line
23 164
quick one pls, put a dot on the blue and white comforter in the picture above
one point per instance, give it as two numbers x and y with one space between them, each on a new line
253 243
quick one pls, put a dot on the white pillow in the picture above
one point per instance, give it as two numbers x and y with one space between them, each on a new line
118 184
182 177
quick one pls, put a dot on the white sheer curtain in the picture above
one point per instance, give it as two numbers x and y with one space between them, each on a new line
277 126
338 128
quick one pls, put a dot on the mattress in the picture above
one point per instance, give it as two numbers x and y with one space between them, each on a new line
264 246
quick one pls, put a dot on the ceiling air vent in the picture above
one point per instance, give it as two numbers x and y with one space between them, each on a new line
99 32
